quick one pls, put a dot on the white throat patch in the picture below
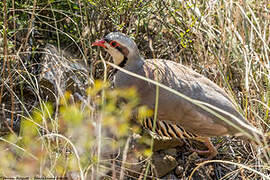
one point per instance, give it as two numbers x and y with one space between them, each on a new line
118 57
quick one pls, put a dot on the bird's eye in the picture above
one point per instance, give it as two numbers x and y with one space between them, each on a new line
114 44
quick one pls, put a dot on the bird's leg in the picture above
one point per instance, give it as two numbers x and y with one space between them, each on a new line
212 151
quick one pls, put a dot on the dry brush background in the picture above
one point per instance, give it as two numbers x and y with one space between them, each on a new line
56 119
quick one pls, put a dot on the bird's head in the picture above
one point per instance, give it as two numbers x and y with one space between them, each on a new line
120 47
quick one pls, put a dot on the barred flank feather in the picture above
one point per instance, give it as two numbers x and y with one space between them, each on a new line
165 129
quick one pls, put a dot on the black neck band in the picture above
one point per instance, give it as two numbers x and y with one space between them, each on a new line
123 63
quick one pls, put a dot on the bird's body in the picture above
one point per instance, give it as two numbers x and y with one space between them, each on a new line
173 109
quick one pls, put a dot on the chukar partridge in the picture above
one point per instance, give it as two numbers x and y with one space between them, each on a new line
177 117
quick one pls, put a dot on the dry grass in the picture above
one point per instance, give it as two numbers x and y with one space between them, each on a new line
227 41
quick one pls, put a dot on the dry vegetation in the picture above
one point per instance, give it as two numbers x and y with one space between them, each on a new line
227 41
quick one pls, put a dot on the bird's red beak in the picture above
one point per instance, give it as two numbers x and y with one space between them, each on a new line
100 43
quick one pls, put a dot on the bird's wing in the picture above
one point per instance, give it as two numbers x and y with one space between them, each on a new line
176 109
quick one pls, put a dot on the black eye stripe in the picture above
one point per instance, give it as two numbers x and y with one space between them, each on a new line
119 48
110 41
